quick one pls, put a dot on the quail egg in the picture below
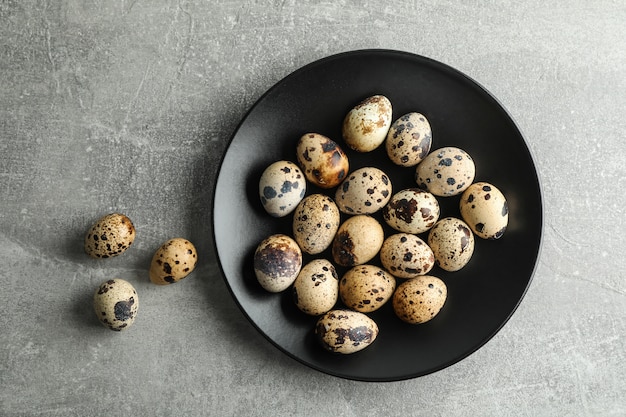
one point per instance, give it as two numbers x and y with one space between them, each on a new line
366 125
420 299
277 262
412 210
446 172
409 140
281 187
346 331
116 303
366 288
109 236
173 261
452 243
405 255
323 161
316 289
485 210
364 191
357 241
315 222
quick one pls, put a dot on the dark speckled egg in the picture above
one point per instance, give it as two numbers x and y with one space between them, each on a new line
366 288
452 243
281 187
445 172
323 161
485 210
409 140
173 261
277 262
346 331
116 304
109 236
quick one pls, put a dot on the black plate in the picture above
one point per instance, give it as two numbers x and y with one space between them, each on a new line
315 98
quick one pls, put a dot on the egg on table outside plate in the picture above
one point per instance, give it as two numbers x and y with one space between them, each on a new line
366 125
281 187
485 209
110 236
116 303
173 261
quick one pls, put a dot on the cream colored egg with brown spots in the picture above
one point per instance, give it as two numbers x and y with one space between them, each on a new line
110 236
277 262
281 187
173 261
452 243
357 241
364 191
316 289
116 304
485 209
315 222
366 288
412 210
419 300
346 331
409 139
322 160
405 255
366 125
446 172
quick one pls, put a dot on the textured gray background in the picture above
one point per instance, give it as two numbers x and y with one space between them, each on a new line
128 105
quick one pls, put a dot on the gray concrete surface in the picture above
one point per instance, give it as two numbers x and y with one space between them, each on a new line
128 105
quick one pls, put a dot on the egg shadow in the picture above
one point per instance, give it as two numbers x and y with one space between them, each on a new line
80 311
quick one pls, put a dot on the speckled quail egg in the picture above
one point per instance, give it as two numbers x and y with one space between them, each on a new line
452 243
346 331
315 222
409 140
366 288
420 299
323 161
405 255
446 172
277 262
116 303
364 191
412 210
485 209
109 236
316 289
357 241
366 125
281 187
173 261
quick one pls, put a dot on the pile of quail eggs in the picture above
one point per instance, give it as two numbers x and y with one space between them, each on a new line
116 301
342 303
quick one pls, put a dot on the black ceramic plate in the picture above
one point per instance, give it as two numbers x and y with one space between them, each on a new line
315 98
